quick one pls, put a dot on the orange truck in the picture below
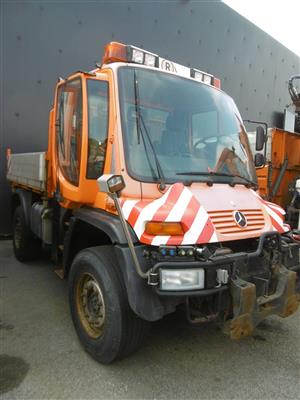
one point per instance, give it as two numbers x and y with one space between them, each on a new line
147 199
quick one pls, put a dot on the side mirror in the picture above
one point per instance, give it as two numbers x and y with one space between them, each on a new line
260 138
110 183
259 160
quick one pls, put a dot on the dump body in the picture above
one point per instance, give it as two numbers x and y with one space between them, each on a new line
28 170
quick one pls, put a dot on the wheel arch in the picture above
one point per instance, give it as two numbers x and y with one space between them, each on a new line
104 229
88 228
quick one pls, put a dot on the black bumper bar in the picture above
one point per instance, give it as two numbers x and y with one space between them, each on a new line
237 265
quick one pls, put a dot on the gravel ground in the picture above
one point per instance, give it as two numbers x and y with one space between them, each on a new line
42 358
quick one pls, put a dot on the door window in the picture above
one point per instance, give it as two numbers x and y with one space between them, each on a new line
69 129
97 126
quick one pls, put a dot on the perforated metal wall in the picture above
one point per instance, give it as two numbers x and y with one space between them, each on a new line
42 40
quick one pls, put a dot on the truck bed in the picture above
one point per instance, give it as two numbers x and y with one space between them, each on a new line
28 169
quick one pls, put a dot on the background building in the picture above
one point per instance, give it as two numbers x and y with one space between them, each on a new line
41 41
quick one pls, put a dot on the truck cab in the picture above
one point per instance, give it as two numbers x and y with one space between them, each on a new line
149 203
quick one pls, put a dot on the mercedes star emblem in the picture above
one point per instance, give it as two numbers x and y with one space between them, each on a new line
240 219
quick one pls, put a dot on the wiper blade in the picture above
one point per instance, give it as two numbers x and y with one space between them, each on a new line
140 122
198 173
212 173
59 125
243 177
137 108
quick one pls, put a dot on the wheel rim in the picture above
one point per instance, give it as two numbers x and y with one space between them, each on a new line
90 305
18 232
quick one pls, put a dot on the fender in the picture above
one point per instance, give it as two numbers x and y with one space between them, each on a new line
108 223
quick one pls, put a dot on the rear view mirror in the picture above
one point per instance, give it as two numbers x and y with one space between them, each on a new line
259 160
110 183
260 138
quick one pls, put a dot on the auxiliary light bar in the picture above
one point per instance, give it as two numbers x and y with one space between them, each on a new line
119 52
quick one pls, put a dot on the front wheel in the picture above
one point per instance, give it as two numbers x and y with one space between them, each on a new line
104 321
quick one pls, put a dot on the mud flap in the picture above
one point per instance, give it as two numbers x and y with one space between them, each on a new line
249 311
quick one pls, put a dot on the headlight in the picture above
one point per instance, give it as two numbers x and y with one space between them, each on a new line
181 279
207 79
150 60
198 75
137 56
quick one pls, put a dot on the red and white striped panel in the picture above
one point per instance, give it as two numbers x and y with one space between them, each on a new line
178 204
276 214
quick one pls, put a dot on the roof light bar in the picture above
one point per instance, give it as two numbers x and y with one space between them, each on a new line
118 52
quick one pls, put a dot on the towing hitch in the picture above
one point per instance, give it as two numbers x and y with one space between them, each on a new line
249 310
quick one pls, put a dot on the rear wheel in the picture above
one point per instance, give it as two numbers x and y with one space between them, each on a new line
104 321
26 246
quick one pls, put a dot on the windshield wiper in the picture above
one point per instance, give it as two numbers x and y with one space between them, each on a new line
139 123
59 126
196 173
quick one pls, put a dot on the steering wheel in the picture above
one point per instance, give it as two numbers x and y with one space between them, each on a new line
205 150
206 141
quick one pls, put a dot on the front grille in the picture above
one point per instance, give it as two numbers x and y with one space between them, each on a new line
225 224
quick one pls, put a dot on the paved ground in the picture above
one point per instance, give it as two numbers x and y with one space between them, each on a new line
42 358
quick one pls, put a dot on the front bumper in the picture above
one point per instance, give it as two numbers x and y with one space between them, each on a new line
256 287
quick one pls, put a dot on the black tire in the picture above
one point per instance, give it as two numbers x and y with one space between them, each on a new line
121 332
26 246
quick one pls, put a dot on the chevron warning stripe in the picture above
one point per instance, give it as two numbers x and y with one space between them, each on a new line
177 205
276 214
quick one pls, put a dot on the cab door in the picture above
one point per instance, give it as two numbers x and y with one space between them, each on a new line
68 139
83 138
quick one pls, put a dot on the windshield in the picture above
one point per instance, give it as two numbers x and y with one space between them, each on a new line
194 130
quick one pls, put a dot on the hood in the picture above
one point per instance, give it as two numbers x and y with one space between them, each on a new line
218 213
